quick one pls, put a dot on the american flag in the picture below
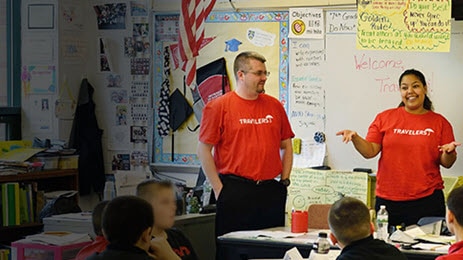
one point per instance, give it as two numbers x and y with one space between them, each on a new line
193 14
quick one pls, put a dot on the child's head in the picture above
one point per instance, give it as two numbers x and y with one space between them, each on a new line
349 221
97 216
454 215
128 221
161 196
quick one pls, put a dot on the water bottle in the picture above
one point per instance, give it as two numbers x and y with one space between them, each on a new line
322 245
109 191
382 222
207 189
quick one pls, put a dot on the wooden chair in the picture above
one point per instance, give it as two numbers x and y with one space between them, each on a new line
318 216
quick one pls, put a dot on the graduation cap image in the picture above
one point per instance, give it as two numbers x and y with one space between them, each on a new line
232 45
180 111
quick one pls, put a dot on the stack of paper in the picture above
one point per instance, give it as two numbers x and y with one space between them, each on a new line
57 238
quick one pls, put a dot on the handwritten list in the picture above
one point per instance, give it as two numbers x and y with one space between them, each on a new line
325 187
404 25
307 95
344 21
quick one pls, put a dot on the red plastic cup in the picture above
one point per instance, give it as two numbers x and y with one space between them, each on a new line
299 221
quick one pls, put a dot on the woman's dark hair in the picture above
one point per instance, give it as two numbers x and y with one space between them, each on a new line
125 218
427 102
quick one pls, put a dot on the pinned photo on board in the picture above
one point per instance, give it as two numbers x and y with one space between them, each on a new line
121 115
45 106
138 8
114 81
119 96
129 47
111 16
140 66
139 134
121 162
104 61
140 30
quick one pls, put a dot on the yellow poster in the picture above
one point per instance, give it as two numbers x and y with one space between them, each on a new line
404 25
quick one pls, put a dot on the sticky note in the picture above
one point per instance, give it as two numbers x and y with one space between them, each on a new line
297 145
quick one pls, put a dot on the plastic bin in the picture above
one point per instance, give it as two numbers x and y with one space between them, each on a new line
23 251
50 162
68 162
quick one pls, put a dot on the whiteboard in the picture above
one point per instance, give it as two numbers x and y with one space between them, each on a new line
360 84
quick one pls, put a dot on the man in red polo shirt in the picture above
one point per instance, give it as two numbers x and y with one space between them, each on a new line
251 137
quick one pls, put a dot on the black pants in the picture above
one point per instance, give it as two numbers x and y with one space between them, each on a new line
409 212
244 205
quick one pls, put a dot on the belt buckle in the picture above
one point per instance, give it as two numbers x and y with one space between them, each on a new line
258 182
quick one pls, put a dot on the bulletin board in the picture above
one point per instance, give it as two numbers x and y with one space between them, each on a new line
230 33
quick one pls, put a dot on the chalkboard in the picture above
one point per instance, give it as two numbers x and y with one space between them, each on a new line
346 88
325 187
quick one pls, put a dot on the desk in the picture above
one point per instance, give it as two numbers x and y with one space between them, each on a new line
252 248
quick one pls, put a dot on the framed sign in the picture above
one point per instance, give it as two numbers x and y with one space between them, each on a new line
41 16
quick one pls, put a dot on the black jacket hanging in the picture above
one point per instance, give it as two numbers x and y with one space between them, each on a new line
86 138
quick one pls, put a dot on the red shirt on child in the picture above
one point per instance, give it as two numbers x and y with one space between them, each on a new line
246 135
455 252
99 245
409 167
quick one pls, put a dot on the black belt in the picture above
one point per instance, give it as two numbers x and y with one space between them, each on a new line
242 179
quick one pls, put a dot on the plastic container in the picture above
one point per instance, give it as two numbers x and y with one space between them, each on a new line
68 162
109 191
50 162
299 221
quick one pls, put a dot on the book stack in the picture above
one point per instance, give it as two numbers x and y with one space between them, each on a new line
17 204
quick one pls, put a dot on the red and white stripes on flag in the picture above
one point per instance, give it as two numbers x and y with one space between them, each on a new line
192 18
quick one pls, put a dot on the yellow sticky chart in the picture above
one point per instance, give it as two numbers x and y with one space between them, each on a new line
404 25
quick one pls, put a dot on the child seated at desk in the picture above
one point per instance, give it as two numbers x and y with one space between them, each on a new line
127 225
161 196
351 229
454 219
100 242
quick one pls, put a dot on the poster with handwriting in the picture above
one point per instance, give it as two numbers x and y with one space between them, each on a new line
306 23
307 94
404 25
324 187
341 21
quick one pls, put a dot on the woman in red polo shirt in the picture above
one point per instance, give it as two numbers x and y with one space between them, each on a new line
414 142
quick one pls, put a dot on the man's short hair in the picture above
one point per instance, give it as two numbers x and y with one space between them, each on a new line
146 189
455 204
242 61
97 215
349 220
125 219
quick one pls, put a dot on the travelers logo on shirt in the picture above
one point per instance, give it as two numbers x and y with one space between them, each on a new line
256 121
425 132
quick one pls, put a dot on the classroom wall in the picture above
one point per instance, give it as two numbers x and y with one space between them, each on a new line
350 97
246 5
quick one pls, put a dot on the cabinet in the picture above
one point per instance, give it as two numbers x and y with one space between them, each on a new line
50 180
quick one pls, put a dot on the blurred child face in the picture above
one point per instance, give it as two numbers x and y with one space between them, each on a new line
164 207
